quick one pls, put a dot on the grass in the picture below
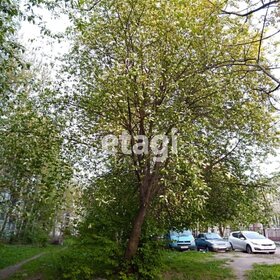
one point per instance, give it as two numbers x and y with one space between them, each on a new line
176 265
44 267
271 272
194 266
12 254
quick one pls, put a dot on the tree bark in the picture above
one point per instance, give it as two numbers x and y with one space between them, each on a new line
221 230
135 235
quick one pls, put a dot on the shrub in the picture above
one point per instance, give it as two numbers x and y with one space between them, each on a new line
37 237
148 260
96 257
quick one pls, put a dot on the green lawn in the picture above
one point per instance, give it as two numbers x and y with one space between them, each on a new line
176 265
271 272
45 266
12 254
194 266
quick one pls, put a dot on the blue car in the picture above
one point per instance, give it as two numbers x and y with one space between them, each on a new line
183 240
212 242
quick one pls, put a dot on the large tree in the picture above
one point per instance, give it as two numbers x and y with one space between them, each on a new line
149 66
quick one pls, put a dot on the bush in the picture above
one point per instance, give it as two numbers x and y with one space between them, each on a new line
96 257
37 237
100 257
148 261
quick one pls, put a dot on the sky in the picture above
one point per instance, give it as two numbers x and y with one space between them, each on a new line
43 48
46 51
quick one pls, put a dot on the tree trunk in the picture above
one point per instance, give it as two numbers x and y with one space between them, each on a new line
135 235
221 230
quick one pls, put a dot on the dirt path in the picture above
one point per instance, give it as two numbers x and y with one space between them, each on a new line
10 270
242 262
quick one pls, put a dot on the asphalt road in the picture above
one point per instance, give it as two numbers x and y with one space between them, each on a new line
242 262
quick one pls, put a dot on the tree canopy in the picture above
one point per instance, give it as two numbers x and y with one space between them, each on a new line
146 67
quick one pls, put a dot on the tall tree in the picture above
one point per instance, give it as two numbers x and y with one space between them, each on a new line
149 66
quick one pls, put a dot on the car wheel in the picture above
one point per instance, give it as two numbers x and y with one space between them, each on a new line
231 247
249 249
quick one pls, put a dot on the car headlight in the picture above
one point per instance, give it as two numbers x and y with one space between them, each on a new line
254 243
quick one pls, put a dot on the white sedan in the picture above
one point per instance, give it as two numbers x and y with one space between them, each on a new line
251 242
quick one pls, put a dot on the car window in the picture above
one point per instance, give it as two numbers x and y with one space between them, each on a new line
212 236
253 235
235 234
182 233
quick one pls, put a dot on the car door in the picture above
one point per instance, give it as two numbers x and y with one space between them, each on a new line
239 241
242 242
200 241
234 240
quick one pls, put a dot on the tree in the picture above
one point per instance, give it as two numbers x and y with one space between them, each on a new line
147 67
33 172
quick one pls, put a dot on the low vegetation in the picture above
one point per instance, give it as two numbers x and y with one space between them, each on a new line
45 267
270 272
12 254
86 264
194 266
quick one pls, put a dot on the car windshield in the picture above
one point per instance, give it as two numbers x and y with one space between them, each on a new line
253 235
211 236
182 233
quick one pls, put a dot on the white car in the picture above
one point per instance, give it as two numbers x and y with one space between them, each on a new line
251 242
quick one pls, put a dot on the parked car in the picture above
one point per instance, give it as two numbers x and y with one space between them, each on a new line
212 242
183 240
251 242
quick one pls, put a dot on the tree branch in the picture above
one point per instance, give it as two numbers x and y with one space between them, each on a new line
262 33
92 7
267 5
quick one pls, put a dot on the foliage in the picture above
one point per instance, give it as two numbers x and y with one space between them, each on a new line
37 236
107 220
90 257
148 262
33 172
236 202
103 212
148 66
145 67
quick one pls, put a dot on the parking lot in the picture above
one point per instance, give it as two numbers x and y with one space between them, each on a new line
241 262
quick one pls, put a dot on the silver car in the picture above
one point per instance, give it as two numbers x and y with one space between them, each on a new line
251 242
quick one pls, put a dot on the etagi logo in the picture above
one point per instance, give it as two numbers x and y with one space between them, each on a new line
158 145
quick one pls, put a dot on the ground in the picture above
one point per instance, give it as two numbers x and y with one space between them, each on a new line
194 266
241 262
